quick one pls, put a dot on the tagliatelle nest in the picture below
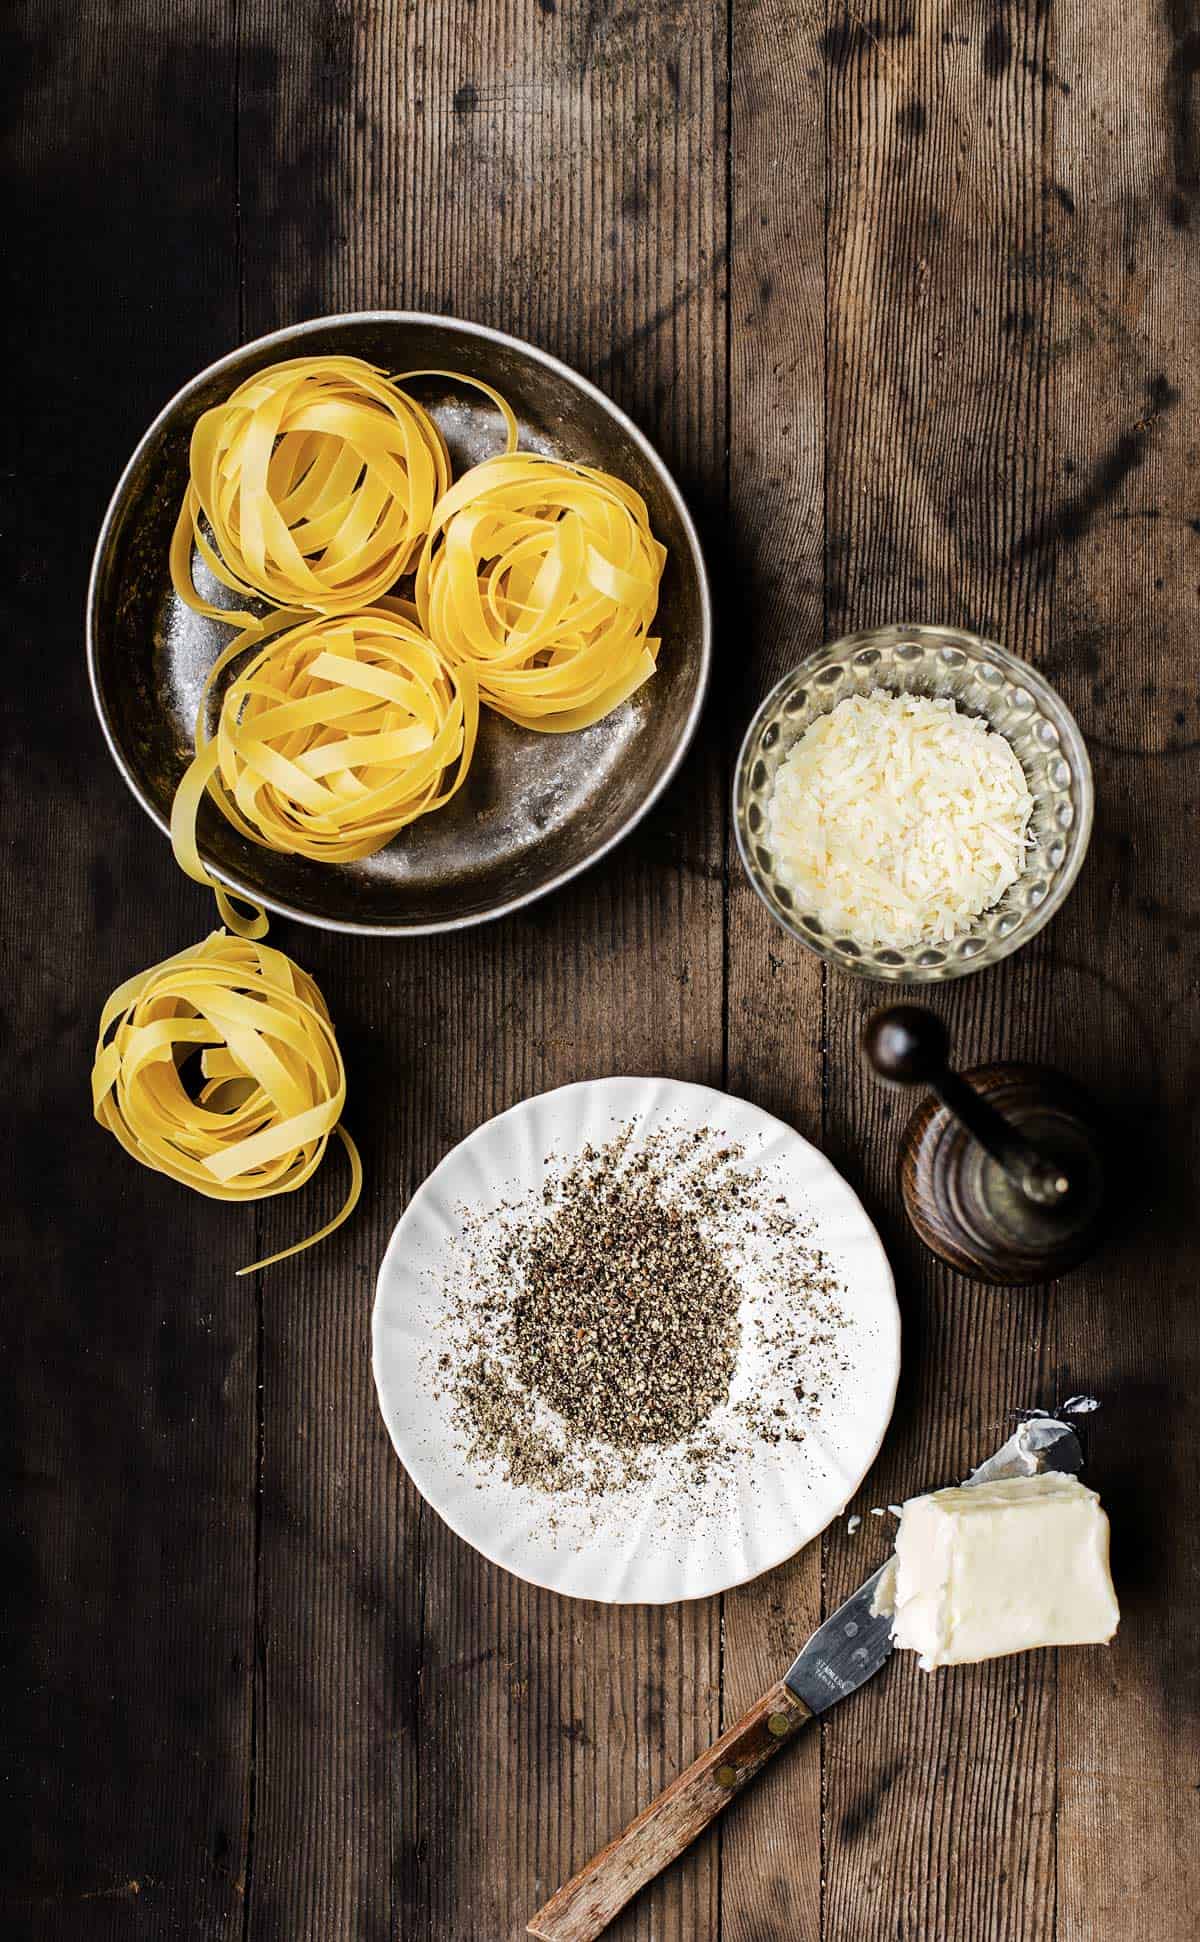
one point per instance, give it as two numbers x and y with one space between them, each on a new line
542 577
339 732
313 486
271 1083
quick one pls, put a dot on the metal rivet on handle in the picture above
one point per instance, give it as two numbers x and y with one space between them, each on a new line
726 1776
779 1724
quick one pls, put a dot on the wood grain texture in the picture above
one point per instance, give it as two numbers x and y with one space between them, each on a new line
585 1906
958 258
1125 563
939 225
128 1347
441 1744
906 295
771 1843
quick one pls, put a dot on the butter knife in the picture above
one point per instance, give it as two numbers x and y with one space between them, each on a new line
842 1654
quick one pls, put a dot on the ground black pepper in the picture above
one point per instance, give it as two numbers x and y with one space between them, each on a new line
625 1318
597 1325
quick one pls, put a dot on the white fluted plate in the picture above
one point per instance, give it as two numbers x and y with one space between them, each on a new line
652 1546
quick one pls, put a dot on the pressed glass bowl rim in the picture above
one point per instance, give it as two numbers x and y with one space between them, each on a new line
976 649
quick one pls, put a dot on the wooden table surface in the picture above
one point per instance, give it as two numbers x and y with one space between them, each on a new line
908 298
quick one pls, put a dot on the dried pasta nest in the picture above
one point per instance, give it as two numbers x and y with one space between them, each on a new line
219 1067
542 577
313 485
339 732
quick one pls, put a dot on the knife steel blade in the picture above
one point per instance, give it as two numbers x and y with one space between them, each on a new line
852 1645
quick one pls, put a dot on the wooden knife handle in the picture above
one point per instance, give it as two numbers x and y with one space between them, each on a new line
590 1900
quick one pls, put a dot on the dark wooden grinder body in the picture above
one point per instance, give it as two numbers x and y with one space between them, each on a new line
1002 1167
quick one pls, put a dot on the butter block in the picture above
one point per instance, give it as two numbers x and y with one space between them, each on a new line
988 1569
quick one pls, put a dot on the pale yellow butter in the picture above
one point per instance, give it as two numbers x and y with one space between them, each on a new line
989 1569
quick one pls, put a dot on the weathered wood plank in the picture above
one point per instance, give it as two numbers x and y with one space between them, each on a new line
1121 549
426 1721
1007 367
938 461
128 1346
771 1862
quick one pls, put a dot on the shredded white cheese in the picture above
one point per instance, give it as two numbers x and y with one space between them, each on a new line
896 820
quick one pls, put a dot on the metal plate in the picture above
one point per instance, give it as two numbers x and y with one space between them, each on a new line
536 809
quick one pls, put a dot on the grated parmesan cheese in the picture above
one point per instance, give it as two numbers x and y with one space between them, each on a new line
896 820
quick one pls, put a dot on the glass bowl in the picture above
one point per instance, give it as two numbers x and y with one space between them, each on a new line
984 680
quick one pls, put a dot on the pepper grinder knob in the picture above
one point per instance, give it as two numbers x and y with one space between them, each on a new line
908 1045
1002 1169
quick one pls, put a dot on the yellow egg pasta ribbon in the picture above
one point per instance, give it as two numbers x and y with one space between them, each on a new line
312 486
339 732
271 1082
542 576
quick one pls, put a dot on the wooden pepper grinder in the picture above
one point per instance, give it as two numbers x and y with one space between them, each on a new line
1001 1170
